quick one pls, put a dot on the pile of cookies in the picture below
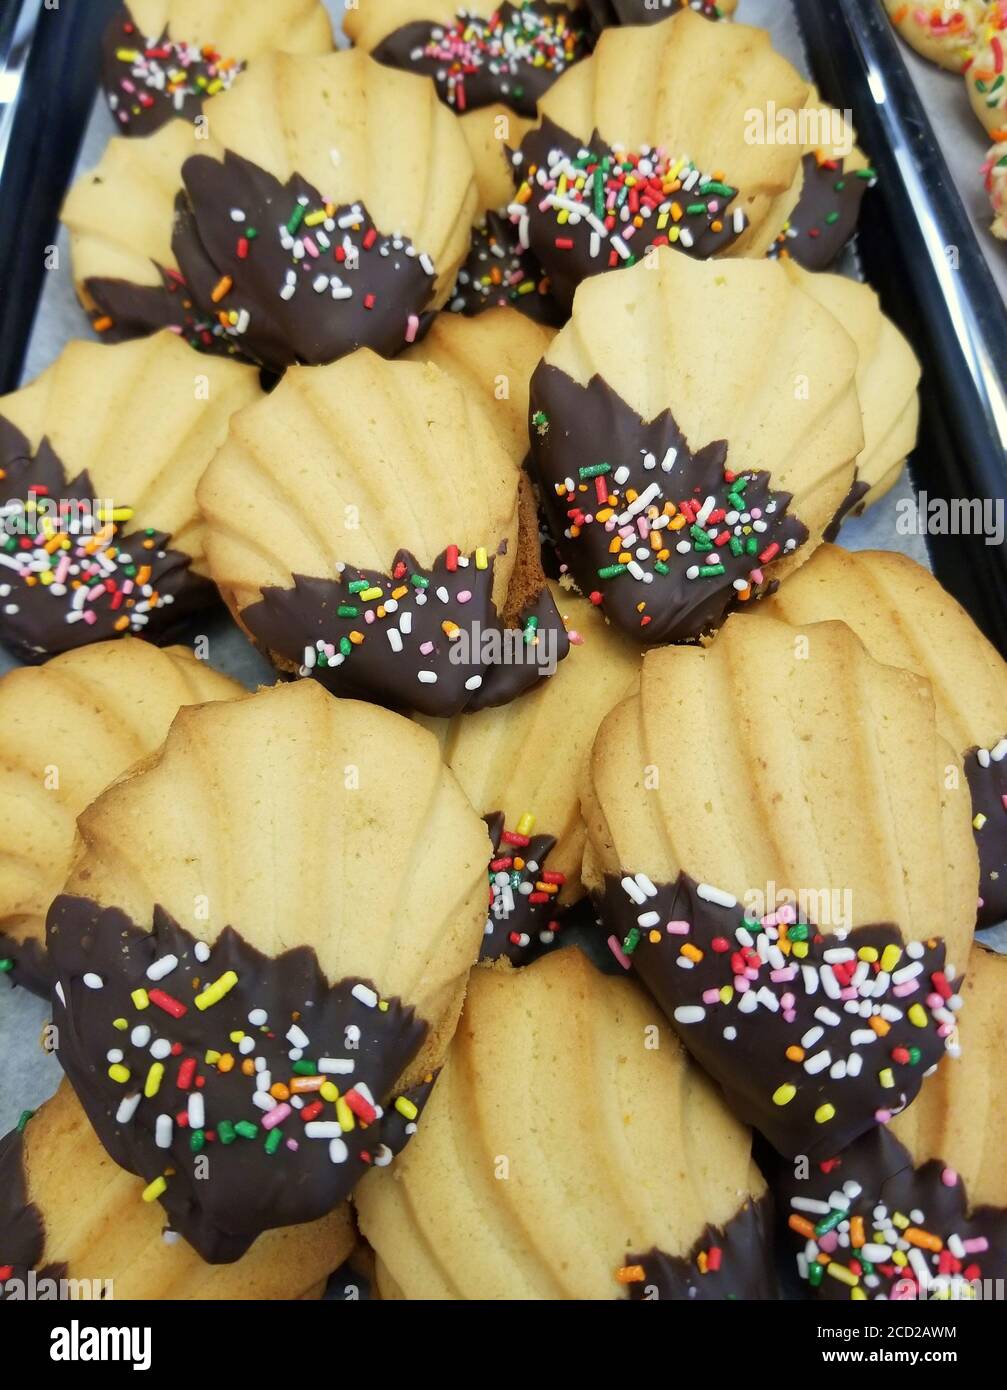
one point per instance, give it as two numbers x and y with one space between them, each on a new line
604 815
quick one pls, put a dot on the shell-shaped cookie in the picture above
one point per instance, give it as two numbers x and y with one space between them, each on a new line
651 397
489 132
163 58
927 1215
477 52
827 816
90 1225
944 32
116 440
904 617
986 75
296 886
888 375
379 556
521 765
691 90
311 168
493 357
517 1187
68 729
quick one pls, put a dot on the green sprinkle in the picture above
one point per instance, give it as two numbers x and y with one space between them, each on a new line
225 1132
829 1223
798 932
296 218
695 209
418 581
632 940
347 610
832 218
710 571
345 646
23 1119
735 546
305 1068
867 173
197 1141
246 1129
751 926
816 1273
357 586
723 190
611 571
274 1140
914 1056
594 470
661 567
751 546
6 965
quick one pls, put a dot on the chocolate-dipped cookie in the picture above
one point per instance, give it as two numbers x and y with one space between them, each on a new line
68 1213
477 52
164 58
918 1210
820 211
651 142
284 950
392 558
888 376
570 1150
680 472
324 204
904 617
99 460
521 765
780 847
605 14
68 729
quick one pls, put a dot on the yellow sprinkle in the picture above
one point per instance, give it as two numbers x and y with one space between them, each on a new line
121 1024
899 1258
329 1092
890 958
784 1094
800 949
825 1112
116 514
918 1016
345 1116
139 998
858 1293
372 593
844 1275
526 824
119 1073
154 1078
154 1190
726 994
978 821
405 1107
867 953
887 1078
401 591
315 219
901 1221
382 1006
211 1058
235 1037
481 560
215 992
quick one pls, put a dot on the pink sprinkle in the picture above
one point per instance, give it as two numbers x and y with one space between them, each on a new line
276 1116
945 1030
741 984
618 952
412 328
882 1116
89 616
900 991
828 1242
787 1001
711 996
934 1001
465 596
771 919
949 1177
789 1016
426 648
292 1145
677 928
369 615
786 914
573 636
978 1245
756 576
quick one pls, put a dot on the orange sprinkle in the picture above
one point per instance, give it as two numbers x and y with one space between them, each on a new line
924 1239
226 1063
103 324
795 1053
879 1025
300 1084
801 1225
691 952
857 1238
631 1274
223 286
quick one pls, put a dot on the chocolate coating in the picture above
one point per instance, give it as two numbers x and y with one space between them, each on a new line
123 310
26 963
38 620
988 786
599 239
512 57
140 75
522 916
860 1050
500 274
355 658
267 281
607 14
232 1178
576 428
742 1255
22 1233
826 214
883 1170
850 506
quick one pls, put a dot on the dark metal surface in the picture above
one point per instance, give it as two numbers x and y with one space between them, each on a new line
920 252
48 79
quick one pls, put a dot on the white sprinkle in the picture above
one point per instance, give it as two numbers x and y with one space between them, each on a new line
201 951
730 1033
716 896
162 967
140 1035
818 1063
160 1048
811 1204
632 891
908 972
338 1152
827 1017
427 677
94 981
810 976
648 919
365 996
297 1036
197 1110
860 1037
336 1066
812 1036
394 638
323 1129
258 1017
473 682
163 1128
127 1109
691 1013
876 1254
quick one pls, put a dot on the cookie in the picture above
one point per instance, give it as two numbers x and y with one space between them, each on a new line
324 205
653 141
604 14
888 376
284 947
68 1212
794 878
521 766
680 471
163 58
69 728
99 460
995 179
944 32
569 1151
918 1210
477 52
822 209
904 617
493 358
389 557
986 74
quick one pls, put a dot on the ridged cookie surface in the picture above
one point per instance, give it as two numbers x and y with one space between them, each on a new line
679 469
73 1214
945 31
292 890
365 527
100 456
569 1151
779 839
67 729
327 204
